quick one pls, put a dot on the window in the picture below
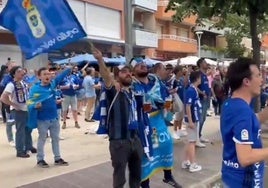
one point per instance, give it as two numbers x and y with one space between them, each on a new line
184 33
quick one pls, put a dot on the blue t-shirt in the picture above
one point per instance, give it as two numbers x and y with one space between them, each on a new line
48 111
192 98
204 86
70 80
239 124
6 79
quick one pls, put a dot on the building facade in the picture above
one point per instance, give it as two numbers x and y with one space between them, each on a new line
154 35
174 39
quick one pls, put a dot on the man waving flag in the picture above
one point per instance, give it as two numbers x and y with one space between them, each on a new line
40 26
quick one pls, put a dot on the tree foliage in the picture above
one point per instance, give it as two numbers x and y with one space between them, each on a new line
234 47
252 13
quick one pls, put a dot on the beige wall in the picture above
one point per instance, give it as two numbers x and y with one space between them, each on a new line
221 42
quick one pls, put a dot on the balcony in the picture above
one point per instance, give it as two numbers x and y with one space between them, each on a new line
144 38
174 43
146 4
162 15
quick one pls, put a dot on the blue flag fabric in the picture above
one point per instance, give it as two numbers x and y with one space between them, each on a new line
162 144
40 26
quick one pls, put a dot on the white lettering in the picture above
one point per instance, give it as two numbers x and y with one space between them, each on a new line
163 137
257 176
231 164
61 37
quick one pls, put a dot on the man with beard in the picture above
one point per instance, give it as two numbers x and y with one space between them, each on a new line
15 95
122 122
155 93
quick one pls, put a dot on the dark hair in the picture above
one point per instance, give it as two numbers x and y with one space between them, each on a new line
40 70
3 71
88 70
198 63
169 66
194 76
177 69
239 70
13 70
156 67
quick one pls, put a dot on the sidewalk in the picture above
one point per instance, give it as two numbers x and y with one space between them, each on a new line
90 162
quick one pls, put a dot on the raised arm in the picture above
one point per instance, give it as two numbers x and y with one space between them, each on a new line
104 71
84 68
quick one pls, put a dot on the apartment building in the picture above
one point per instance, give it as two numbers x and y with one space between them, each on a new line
177 40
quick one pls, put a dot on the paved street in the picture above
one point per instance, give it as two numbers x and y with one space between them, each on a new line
90 165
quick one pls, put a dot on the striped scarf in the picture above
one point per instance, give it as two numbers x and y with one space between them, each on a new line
102 115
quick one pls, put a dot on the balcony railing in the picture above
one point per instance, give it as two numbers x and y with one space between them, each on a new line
178 38
145 38
148 4
162 3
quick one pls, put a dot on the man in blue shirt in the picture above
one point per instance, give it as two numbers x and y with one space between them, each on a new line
69 87
90 93
47 116
204 94
155 92
243 153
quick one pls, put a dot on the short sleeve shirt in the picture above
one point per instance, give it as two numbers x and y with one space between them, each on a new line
10 88
88 84
239 125
192 98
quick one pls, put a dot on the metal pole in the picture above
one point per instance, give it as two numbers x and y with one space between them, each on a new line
128 15
199 34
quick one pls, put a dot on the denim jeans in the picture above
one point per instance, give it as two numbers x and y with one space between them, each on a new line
205 105
23 133
54 128
9 125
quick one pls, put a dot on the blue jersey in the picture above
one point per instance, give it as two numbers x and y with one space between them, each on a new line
204 86
239 124
71 80
192 98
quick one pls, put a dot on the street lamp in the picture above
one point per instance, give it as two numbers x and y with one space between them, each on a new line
199 34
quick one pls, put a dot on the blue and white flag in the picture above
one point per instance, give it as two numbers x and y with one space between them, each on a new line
40 26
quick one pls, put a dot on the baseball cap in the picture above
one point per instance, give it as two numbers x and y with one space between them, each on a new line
136 61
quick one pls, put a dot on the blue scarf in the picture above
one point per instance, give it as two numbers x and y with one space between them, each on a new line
100 114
